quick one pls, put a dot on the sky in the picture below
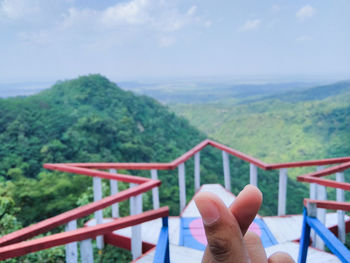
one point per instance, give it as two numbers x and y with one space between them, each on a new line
48 40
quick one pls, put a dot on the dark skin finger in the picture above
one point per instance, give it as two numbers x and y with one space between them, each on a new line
225 228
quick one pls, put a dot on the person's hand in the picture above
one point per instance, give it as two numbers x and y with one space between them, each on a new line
226 229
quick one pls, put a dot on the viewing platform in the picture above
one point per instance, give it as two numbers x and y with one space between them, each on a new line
153 236
187 237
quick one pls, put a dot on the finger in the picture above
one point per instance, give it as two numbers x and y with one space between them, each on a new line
280 257
246 206
255 248
225 240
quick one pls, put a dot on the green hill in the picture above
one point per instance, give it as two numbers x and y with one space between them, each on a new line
301 125
88 119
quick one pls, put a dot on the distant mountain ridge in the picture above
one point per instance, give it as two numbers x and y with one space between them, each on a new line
296 125
316 93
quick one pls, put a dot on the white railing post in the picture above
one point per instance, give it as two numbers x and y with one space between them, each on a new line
155 191
282 191
71 248
86 253
253 175
341 213
182 186
321 212
97 186
136 239
227 176
313 191
197 178
313 196
114 190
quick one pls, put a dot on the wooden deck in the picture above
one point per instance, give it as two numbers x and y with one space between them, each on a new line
284 231
288 228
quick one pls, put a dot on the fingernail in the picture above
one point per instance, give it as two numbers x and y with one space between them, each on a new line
209 212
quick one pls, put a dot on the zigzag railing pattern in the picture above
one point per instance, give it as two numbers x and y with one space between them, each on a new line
11 245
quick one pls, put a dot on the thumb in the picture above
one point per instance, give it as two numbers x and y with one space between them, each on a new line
225 240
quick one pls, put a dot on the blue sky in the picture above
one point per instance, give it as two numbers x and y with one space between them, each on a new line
44 40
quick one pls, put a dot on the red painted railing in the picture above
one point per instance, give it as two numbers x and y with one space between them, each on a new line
22 248
315 177
9 246
199 147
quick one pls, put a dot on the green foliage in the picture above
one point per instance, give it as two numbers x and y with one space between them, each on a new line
291 127
90 119
295 126
111 254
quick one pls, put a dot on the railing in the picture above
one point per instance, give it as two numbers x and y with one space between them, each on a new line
254 164
314 212
139 185
11 245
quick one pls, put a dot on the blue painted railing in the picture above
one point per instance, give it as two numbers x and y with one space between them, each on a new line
162 249
331 241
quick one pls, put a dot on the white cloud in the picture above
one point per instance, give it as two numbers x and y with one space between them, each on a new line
155 15
305 12
133 13
16 9
75 17
192 10
63 25
250 25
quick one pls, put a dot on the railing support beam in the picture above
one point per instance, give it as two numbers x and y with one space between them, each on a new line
197 178
114 190
253 175
97 186
182 186
227 176
72 248
86 253
321 212
341 214
136 238
155 191
282 192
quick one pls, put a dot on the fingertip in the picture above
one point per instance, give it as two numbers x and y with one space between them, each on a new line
208 207
253 191
246 206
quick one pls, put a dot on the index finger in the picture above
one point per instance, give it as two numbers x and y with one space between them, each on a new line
246 206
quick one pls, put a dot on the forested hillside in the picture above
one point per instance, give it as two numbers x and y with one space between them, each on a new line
90 119
85 120
300 125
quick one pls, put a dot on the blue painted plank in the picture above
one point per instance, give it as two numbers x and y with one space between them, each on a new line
331 241
304 240
267 238
162 249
